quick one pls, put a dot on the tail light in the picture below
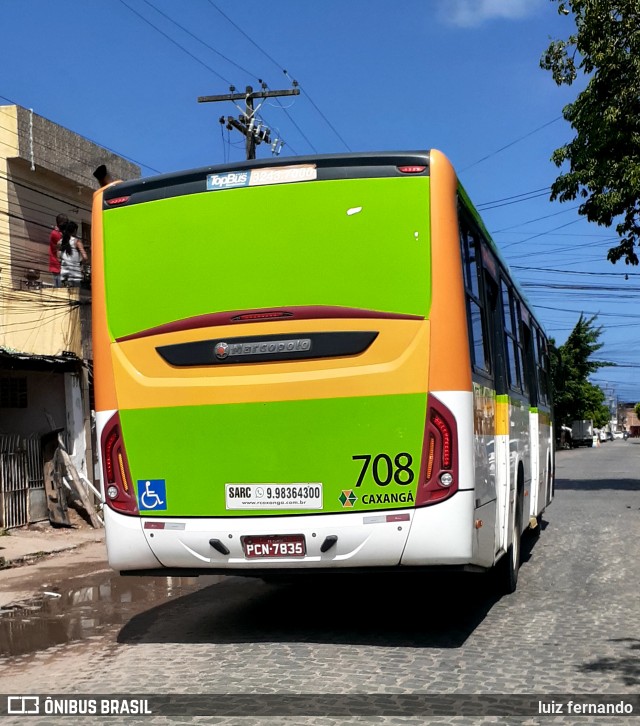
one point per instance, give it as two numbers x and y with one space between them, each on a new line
271 314
117 200
413 169
118 485
439 467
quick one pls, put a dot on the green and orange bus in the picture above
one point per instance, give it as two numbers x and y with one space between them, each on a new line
313 363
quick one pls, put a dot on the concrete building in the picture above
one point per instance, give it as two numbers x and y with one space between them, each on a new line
45 331
628 418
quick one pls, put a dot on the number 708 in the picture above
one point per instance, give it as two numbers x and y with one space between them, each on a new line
384 470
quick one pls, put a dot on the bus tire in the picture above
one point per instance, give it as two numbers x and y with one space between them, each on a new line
509 565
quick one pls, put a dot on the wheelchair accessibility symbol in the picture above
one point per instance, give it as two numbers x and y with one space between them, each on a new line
152 494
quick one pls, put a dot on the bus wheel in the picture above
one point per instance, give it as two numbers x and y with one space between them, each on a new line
509 566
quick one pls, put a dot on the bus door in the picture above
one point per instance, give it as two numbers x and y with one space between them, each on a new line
501 434
532 388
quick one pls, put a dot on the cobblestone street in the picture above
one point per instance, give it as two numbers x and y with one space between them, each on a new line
571 627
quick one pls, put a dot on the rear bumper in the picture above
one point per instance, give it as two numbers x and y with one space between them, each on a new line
429 536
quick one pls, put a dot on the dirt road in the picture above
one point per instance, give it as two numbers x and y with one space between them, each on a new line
36 559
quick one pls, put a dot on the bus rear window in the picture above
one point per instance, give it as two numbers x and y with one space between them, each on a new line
360 243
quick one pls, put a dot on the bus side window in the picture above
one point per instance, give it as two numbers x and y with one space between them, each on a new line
494 312
514 363
547 376
477 316
543 369
530 368
525 368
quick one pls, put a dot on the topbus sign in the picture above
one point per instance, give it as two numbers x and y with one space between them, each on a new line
262 177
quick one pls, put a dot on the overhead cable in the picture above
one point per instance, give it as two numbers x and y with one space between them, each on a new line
512 143
175 42
206 45
286 73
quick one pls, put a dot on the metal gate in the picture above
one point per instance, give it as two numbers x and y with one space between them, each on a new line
22 496
14 488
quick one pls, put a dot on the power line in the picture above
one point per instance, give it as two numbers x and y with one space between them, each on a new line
487 206
635 316
49 212
175 42
557 251
514 196
296 126
251 139
537 219
281 68
41 209
574 272
535 236
71 169
569 234
88 138
37 324
206 45
512 143
568 287
607 327
42 192
322 115
240 30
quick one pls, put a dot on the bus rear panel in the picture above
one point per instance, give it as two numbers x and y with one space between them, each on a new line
273 389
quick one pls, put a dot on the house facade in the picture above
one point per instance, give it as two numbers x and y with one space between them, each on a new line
45 331
629 419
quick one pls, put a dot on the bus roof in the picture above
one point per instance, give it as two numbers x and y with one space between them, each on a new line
328 166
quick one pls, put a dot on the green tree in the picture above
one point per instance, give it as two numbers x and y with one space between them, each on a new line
604 157
575 397
636 408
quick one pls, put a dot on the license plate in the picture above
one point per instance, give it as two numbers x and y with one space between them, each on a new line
274 545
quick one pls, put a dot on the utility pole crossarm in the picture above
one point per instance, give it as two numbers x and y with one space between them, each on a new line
248 94
245 124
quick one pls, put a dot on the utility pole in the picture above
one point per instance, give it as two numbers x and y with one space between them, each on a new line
254 133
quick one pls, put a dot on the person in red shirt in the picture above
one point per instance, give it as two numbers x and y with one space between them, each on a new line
54 239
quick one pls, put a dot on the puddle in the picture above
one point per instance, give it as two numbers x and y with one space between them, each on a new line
78 608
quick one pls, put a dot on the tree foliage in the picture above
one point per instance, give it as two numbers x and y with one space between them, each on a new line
604 156
636 408
575 397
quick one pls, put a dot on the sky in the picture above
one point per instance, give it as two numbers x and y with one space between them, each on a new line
461 76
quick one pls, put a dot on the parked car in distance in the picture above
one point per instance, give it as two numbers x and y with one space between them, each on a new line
619 435
582 433
609 435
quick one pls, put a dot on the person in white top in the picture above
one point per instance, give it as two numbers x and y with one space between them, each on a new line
72 256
